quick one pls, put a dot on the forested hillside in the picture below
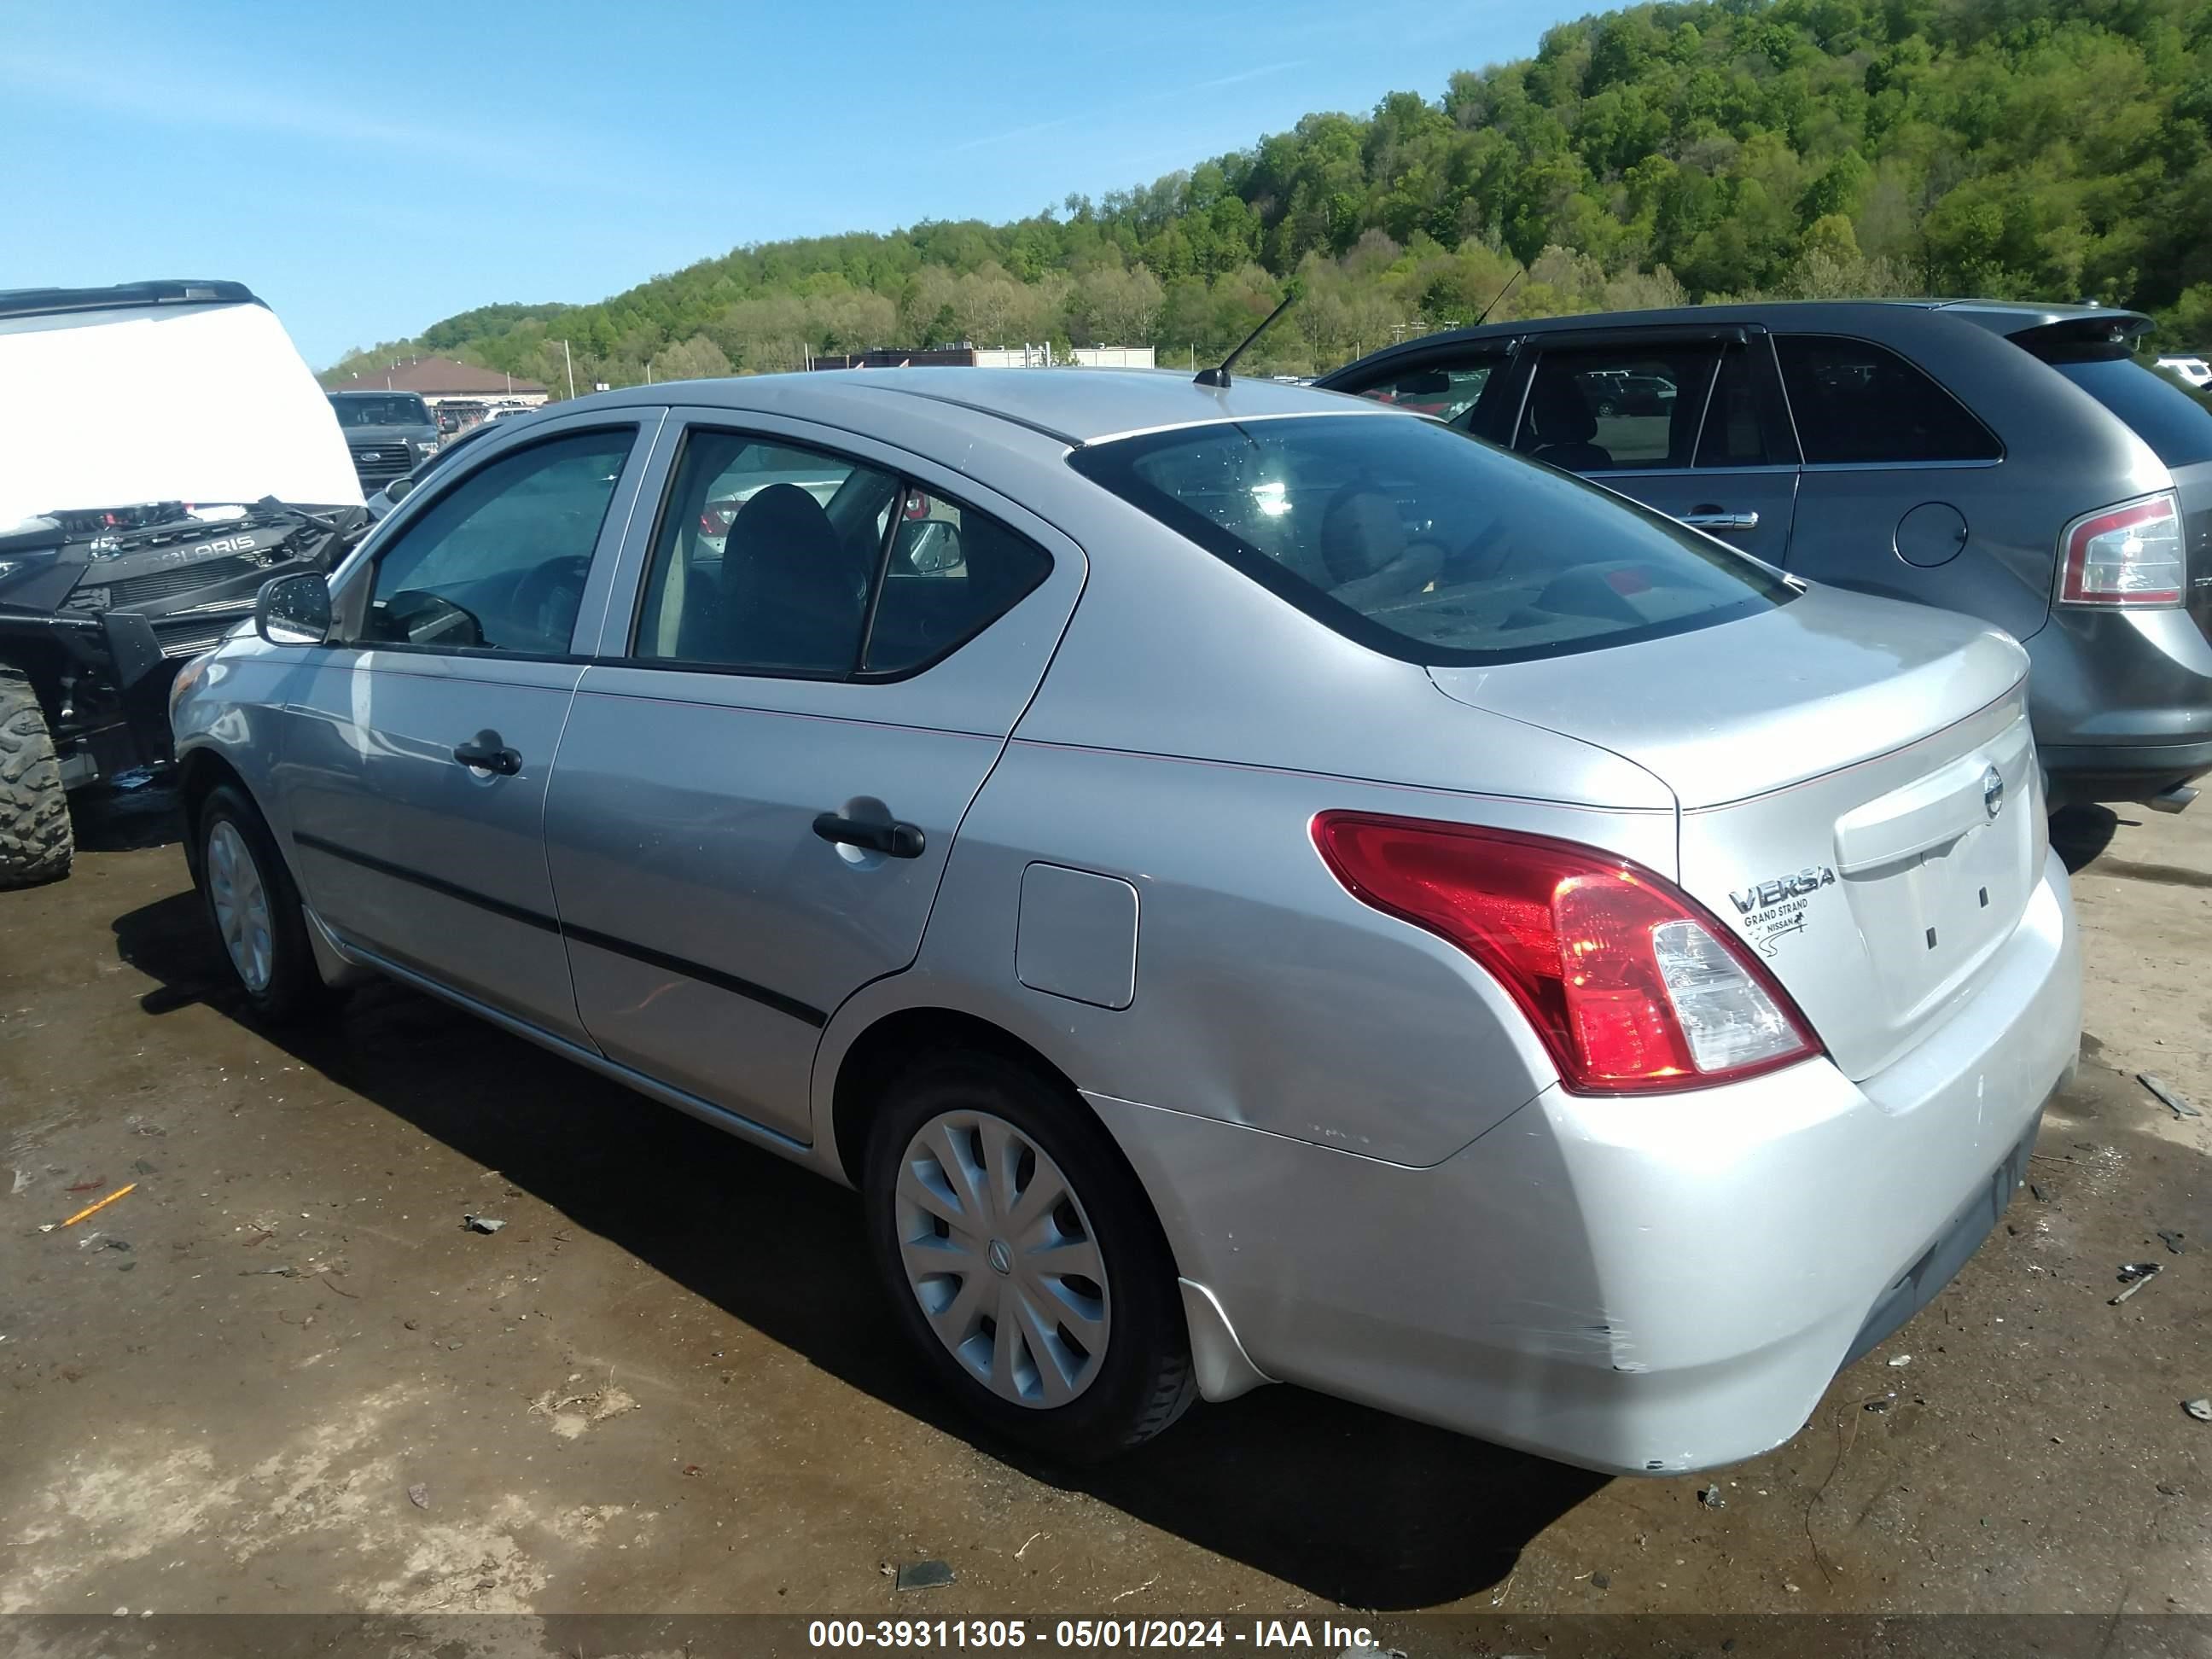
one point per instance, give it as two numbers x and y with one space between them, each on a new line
2047 149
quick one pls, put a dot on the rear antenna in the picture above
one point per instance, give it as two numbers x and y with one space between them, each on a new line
1220 376
1519 272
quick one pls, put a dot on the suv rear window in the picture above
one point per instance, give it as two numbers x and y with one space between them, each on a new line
2175 425
1426 544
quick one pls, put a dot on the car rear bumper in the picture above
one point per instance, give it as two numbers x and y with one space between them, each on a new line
1648 1285
2080 773
2122 702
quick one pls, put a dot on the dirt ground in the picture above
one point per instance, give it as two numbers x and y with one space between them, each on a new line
279 1376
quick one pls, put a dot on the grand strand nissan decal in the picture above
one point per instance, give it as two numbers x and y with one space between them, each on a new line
1773 910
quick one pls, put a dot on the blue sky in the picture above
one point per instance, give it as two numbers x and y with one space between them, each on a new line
370 169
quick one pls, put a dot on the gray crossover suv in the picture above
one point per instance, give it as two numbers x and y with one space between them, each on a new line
2014 462
1249 883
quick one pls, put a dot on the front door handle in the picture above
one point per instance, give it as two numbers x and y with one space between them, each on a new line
486 752
898 840
1714 518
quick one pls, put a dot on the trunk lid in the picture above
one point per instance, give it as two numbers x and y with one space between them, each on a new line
1859 794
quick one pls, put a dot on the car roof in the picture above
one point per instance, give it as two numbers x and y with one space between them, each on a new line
175 291
1075 406
1999 316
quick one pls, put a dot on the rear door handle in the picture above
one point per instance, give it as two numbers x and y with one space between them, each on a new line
486 752
1713 518
898 840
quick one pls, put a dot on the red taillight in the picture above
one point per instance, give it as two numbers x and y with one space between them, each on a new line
1632 986
917 505
716 521
2124 556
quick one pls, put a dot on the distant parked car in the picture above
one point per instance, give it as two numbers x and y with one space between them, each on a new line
2195 370
1278 892
2014 462
389 433
399 488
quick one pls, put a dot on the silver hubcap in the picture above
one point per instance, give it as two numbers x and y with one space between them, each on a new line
1001 1257
241 905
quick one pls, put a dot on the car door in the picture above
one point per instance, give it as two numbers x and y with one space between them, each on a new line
1895 471
1689 421
814 659
418 746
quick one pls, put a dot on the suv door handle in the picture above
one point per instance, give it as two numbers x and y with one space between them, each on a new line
1713 518
898 840
486 752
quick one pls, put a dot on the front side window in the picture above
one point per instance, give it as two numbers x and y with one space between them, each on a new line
1613 408
498 562
1859 404
1426 544
1449 391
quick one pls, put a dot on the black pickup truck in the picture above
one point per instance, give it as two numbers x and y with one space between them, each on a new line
184 456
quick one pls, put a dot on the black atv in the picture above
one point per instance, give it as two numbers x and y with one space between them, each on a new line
174 453
97 610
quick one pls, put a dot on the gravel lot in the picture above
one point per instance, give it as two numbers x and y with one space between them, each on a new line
279 1376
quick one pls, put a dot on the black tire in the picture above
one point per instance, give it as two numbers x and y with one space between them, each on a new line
1606 409
36 841
295 989
1145 1380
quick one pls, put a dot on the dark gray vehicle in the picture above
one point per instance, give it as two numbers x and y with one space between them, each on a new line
2014 462
389 434
167 453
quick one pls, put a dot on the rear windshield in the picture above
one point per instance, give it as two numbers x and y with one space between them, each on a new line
1427 545
395 409
2175 425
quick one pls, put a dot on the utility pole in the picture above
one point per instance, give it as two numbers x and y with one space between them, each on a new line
571 362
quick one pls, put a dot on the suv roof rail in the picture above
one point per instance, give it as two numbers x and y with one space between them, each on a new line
174 291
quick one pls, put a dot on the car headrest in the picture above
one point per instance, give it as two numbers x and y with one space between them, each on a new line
1560 414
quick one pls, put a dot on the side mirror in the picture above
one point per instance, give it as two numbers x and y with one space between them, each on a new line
937 551
294 610
399 489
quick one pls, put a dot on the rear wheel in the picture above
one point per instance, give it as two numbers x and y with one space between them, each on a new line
36 843
255 909
1022 1258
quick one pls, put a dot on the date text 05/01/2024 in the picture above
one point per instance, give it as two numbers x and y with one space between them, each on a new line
1285 1635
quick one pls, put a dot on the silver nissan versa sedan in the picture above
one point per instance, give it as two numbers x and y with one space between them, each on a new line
1249 883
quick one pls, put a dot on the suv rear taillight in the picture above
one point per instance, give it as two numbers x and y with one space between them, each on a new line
2129 555
1632 986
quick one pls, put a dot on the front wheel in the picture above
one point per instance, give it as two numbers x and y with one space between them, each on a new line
255 910
1023 1260
36 841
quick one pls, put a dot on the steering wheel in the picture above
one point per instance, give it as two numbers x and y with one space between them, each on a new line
546 600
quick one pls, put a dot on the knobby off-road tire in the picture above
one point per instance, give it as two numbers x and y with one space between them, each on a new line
36 843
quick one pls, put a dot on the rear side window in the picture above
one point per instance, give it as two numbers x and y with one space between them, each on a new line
1859 404
1428 545
953 571
2175 425
778 560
